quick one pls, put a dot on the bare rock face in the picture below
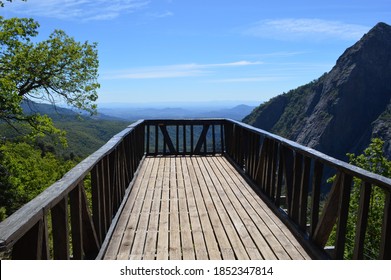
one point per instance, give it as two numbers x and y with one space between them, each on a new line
343 109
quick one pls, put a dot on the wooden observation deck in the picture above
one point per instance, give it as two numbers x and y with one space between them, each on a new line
198 189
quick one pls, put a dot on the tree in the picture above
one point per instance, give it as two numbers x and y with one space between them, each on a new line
374 160
56 70
25 172
2 2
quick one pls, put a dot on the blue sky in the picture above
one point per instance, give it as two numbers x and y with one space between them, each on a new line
198 50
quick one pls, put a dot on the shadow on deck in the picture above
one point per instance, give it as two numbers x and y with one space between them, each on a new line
200 189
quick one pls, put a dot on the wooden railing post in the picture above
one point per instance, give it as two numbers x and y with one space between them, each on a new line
32 246
343 211
315 196
75 200
60 230
90 241
96 203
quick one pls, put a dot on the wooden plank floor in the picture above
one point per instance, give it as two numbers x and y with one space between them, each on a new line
197 208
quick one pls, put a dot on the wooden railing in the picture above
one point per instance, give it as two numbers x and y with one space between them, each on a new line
184 137
41 229
62 223
291 178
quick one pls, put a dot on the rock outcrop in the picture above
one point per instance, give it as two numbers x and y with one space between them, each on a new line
342 110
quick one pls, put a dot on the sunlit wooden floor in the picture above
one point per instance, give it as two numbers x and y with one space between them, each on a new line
197 208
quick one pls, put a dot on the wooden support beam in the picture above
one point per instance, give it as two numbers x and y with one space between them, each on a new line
329 214
260 174
202 140
91 242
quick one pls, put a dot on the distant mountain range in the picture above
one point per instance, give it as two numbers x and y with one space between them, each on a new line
58 113
237 113
88 133
342 110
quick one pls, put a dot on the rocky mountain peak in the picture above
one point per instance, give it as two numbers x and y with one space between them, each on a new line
344 108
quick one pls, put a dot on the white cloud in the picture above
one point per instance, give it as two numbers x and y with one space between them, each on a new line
172 71
161 15
305 28
78 9
249 79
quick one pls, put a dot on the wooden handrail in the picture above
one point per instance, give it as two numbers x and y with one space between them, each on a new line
289 176
276 165
27 231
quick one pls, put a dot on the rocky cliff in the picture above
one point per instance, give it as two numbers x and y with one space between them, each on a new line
343 109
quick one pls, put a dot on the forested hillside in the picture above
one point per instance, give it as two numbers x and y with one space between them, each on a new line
29 165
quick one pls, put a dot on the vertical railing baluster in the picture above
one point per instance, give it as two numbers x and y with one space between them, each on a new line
362 220
287 156
60 230
295 199
260 175
343 210
76 223
91 243
96 202
223 145
250 156
304 193
45 238
107 192
177 139
164 140
156 139
30 246
116 193
205 139
273 170
103 195
315 195
213 140
279 177
148 139
267 166
184 140
191 139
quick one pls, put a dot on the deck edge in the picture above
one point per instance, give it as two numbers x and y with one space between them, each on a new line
114 222
311 249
